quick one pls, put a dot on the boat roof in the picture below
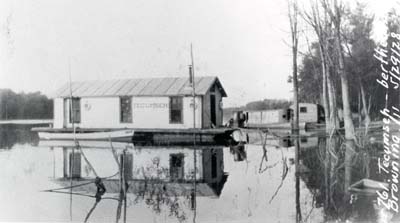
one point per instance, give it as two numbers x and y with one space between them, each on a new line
167 86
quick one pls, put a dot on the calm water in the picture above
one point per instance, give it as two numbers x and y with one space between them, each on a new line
254 183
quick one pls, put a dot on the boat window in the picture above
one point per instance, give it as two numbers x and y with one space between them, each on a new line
303 109
175 110
126 109
76 111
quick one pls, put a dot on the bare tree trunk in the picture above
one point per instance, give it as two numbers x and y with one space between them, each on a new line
324 87
348 122
292 14
322 27
365 108
359 109
332 101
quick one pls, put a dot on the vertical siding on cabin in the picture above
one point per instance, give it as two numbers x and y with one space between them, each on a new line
188 112
274 116
311 115
58 112
266 117
254 117
147 116
207 109
98 113
218 103
147 112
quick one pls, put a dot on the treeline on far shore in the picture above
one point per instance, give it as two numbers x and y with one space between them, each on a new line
24 105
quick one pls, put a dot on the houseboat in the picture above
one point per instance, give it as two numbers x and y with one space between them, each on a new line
154 108
310 113
280 118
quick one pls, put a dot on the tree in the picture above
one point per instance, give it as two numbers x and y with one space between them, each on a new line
293 15
336 12
322 26
24 106
360 65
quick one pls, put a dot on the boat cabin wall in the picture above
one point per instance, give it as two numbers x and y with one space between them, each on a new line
267 117
58 112
308 112
146 112
212 106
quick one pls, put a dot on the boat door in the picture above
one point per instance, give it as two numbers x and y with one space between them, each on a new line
213 112
65 116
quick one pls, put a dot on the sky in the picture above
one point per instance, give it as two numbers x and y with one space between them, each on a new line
244 43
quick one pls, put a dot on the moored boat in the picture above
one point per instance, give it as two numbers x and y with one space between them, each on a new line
106 135
367 186
217 136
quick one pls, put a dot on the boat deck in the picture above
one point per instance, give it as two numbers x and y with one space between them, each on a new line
156 136
137 130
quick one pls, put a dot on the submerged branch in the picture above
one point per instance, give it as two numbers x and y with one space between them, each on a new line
285 171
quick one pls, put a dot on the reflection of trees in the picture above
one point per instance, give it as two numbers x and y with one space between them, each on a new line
333 168
155 194
12 134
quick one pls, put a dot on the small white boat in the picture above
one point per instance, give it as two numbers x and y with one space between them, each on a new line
115 134
367 186
97 144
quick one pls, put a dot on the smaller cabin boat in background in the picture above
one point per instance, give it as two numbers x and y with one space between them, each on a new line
279 118
311 113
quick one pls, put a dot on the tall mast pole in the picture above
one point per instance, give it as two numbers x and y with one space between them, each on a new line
70 99
193 87
73 148
194 135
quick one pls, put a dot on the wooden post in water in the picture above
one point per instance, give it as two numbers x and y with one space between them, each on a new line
65 162
125 174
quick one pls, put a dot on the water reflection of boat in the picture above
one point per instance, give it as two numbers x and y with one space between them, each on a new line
306 142
141 186
238 152
166 137
170 169
12 134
